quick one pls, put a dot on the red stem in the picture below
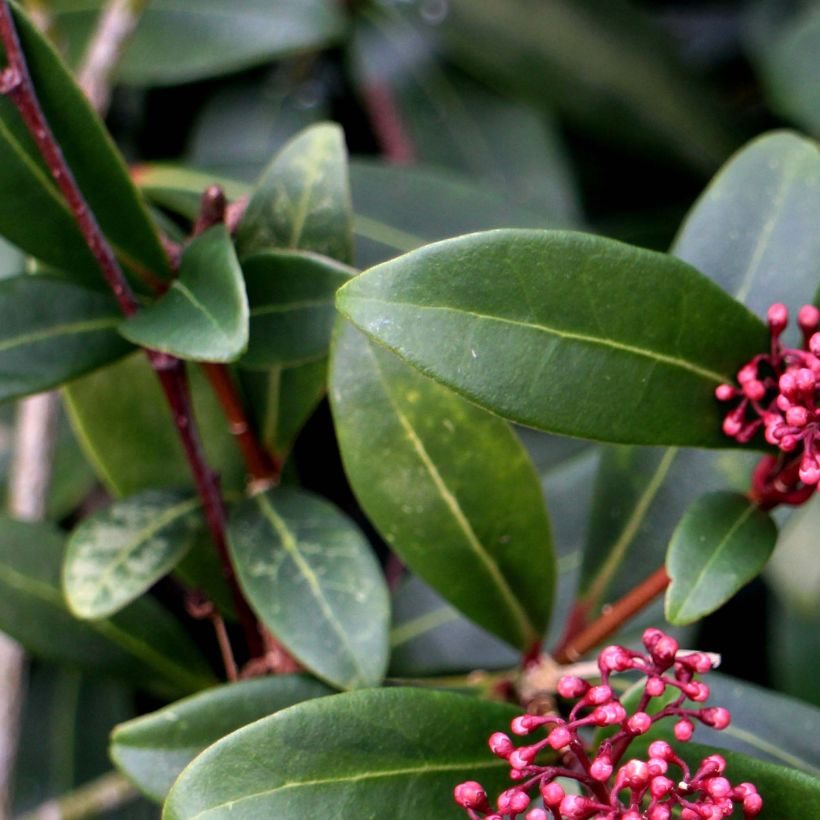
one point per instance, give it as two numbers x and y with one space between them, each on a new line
15 81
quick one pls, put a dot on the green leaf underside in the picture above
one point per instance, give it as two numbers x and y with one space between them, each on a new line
752 230
116 554
379 753
122 421
142 644
204 314
312 579
99 170
721 543
302 200
152 750
178 41
292 309
449 487
51 331
564 332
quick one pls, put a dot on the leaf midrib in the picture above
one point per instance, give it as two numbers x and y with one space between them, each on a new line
651 355
85 326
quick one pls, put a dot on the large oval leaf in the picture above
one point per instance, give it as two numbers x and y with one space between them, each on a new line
116 554
204 314
302 200
311 577
142 644
448 486
565 332
122 421
178 41
752 230
292 310
51 331
95 162
153 749
381 753
720 544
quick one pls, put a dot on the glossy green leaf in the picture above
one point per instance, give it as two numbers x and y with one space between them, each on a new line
283 399
640 496
793 641
204 314
179 41
302 200
36 217
125 428
601 61
291 295
142 644
389 221
201 568
310 576
51 331
721 543
452 122
117 553
448 486
568 333
379 753
152 750
752 230
431 637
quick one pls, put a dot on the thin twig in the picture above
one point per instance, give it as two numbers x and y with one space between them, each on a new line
116 24
104 794
17 84
386 121
613 617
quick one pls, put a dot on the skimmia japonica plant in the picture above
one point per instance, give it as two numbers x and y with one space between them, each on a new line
361 463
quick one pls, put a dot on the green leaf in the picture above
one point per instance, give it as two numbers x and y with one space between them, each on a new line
152 750
640 496
721 543
118 553
794 645
123 424
568 333
310 576
752 232
389 221
452 122
179 41
201 568
292 310
283 399
448 486
204 314
51 331
142 644
379 753
36 218
179 188
601 61
302 200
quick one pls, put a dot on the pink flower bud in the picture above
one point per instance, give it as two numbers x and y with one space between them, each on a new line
614 659
788 443
598 695
747 373
709 811
809 471
752 805
697 691
732 425
601 768
754 390
552 793
661 749
631 815
500 745
797 416
650 637
664 650
787 385
574 806
716 716
744 790
805 380
689 814
521 758
814 344
660 786
537 814
559 737
639 723
725 392
609 714
683 730
471 795
513 801
662 812
808 318
655 687
516 774
635 774
657 766
718 787
717 763
523 724
572 687
778 316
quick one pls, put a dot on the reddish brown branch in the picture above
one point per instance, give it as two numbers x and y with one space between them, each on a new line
15 81
387 124
613 617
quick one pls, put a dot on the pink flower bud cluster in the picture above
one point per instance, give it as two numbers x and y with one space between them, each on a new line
658 788
778 392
